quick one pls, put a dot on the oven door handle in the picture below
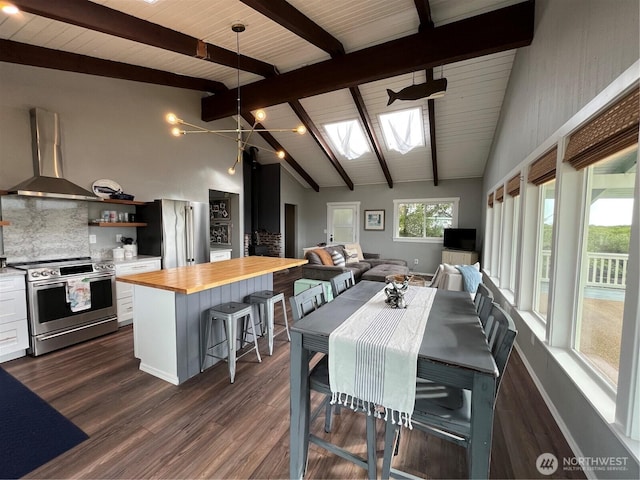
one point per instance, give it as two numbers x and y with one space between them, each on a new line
44 284
76 329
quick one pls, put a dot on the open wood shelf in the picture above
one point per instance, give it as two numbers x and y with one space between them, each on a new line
117 224
4 223
123 202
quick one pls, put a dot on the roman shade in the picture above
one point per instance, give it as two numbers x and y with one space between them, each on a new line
513 185
544 168
490 200
500 194
613 130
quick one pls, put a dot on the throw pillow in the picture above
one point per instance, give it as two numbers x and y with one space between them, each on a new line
351 255
325 257
357 248
313 258
338 259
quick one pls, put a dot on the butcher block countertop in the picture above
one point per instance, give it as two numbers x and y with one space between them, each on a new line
204 276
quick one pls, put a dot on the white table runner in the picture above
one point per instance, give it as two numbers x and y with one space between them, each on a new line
373 355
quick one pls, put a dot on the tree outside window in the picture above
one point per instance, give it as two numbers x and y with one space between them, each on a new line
424 219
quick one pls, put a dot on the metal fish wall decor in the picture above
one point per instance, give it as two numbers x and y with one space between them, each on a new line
431 89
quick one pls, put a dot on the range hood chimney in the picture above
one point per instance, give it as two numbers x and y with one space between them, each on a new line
48 179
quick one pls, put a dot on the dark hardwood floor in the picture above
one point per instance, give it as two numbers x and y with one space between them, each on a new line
142 427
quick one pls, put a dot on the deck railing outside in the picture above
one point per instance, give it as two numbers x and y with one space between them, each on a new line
604 269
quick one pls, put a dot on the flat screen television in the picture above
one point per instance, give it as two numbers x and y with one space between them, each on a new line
460 239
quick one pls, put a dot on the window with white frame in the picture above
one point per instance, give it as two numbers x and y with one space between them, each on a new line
424 220
543 249
605 253
515 229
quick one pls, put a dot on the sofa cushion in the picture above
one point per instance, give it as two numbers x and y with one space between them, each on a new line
351 255
324 255
338 259
357 248
313 258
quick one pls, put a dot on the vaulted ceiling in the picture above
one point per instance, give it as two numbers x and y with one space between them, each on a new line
315 62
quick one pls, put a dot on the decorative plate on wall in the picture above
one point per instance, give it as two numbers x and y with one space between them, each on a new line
104 188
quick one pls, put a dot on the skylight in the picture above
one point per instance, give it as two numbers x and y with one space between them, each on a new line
348 138
403 130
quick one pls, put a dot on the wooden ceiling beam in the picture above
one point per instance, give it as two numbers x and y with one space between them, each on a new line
319 138
24 54
373 138
295 21
93 16
504 29
426 23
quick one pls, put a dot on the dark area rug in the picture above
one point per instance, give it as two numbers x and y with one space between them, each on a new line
31 431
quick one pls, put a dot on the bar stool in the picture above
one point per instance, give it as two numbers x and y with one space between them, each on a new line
266 300
230 312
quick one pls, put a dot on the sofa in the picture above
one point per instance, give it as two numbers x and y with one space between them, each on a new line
449 277
329 261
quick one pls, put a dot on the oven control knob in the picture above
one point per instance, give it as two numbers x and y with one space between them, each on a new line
44 273
35 274
110 266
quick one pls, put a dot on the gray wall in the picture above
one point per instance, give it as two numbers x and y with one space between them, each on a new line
579 48
114 129
380 197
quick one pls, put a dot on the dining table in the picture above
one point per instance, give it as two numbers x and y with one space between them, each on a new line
454 351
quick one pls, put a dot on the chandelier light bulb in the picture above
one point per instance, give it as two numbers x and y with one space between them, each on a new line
9 8
171 118
280 154
232 170
260 115
301 130
176 132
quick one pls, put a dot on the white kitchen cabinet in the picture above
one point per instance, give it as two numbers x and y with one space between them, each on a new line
14 330
218 255
459 257
124 291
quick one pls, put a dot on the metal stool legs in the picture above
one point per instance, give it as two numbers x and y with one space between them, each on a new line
229 312
266 300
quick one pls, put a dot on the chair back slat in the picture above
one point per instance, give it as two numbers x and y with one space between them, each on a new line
342 282
501 334
483 301
307 301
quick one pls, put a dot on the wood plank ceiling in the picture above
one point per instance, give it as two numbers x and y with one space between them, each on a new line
314 62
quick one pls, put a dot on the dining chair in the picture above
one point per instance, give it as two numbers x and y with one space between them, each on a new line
307 301
431 415
483 301
342 282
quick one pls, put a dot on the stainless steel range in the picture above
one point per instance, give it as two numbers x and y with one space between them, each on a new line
56 318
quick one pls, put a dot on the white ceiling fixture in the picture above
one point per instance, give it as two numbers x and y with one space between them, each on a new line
259 116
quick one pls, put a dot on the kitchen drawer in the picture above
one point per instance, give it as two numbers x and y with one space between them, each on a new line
219 256
125 309
11 282
137 267
13 306
14 336
124 290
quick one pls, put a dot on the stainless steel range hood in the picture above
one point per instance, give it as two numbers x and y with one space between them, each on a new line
48 179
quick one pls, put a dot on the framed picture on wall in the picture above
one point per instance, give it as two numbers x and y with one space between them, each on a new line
374 219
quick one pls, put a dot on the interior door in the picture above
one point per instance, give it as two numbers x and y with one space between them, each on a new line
342 222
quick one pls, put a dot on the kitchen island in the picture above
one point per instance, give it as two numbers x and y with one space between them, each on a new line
169 305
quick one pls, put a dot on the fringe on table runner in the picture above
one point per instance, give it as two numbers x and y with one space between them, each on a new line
355 404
